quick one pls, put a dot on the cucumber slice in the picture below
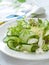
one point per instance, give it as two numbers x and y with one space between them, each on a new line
26 48
12 45
14 38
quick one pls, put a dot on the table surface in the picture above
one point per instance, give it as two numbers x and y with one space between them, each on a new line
6 60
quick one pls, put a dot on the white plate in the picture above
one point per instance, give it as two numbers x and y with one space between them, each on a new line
15 54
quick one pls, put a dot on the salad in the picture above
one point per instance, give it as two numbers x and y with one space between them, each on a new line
28 36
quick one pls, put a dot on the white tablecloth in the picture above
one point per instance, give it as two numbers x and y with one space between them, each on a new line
6 60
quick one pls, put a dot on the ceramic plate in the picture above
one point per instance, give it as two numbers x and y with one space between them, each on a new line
16 54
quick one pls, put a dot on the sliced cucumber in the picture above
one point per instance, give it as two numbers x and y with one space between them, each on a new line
12 45
26 48
14 38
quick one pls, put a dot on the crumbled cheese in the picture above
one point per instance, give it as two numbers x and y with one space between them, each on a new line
39 50
33 40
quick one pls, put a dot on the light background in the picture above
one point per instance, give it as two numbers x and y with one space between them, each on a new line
6 60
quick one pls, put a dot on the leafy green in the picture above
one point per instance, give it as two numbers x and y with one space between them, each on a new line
45 47
34 47
21 1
